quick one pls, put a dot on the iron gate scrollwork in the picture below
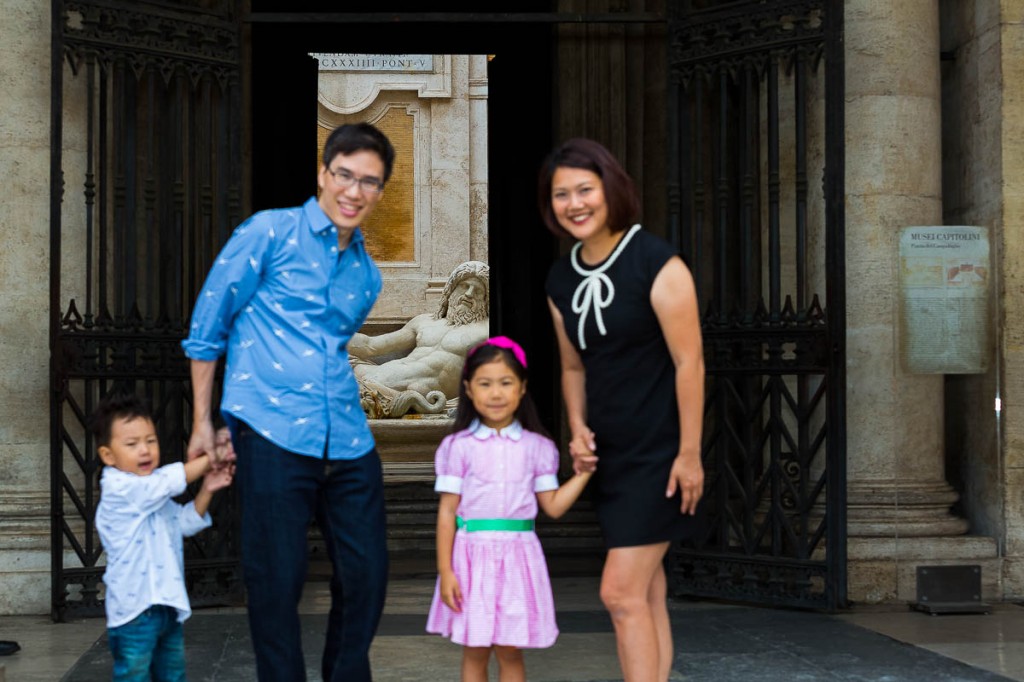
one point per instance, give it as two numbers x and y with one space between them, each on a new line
755 203
146 178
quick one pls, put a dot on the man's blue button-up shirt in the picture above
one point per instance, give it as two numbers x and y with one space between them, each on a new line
283 302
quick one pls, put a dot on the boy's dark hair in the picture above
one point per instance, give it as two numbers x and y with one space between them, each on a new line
354 137
114 406
526 413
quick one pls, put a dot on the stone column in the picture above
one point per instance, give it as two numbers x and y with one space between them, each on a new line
478 157
1008 175
24 264
450 174
898 498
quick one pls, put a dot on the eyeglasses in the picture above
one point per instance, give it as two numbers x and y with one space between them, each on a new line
343 179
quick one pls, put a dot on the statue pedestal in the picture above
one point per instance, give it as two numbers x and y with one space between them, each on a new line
407 446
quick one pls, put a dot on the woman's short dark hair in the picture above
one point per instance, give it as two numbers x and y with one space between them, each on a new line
354 137
619 190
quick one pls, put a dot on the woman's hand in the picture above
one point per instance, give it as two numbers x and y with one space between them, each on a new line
687 476
582 447
451 593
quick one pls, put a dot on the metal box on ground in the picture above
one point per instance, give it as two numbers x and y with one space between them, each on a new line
949 589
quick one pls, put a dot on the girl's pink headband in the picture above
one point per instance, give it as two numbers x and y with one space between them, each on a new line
503 342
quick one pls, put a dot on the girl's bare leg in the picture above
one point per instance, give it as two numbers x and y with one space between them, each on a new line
474 663
627 586
511 667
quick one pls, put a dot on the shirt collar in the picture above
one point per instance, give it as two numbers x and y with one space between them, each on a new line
513 431
320 223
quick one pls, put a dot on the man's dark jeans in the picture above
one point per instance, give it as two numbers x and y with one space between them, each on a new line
280 493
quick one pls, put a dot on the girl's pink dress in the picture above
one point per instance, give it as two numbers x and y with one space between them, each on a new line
506 591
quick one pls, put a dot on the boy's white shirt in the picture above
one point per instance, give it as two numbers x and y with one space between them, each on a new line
141 529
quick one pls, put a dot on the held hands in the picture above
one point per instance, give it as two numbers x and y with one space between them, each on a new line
223 449
582 447
204 441
201 442
451 593
219 478
688 476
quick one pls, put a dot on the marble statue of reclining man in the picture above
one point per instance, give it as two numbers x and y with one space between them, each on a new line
431 349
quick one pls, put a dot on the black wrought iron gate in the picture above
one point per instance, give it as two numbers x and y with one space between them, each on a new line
146 178
756 204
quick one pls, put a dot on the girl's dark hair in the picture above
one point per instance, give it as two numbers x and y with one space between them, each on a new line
116 406
526 413
619 191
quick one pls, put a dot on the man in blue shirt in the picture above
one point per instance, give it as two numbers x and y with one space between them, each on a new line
282 300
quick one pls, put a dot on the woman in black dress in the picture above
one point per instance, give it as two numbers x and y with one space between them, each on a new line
625 312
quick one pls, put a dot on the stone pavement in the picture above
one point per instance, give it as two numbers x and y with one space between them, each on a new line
714 642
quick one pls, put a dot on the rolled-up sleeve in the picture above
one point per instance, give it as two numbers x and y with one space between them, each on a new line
229 286
190 520
129 493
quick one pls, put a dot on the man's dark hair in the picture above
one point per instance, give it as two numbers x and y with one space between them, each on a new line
354 137
116 405
619 191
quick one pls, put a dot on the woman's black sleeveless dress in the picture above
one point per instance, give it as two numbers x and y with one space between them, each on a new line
630 386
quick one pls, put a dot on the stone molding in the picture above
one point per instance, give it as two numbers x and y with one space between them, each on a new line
877 509
359 90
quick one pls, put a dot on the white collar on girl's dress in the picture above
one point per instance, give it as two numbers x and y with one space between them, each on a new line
595 290
514 431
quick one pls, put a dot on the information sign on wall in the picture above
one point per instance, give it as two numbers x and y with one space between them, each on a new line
945 285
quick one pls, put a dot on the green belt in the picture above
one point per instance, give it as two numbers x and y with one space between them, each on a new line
472 525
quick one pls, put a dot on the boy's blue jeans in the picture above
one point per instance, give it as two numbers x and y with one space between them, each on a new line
150 647
281 493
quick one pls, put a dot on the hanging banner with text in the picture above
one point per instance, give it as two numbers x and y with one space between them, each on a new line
945 285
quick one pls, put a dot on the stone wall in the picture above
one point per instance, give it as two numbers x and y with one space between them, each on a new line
983 165
899 499
433 214
24 279
1011 144
982 183
972 195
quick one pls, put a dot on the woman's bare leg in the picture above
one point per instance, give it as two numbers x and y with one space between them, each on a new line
658 601
627 586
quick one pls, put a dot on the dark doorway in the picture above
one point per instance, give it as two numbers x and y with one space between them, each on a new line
284 83
284 86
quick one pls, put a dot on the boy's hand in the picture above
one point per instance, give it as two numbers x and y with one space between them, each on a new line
451 594
219 478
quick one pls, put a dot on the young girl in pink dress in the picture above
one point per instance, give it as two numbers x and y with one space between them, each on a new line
493 592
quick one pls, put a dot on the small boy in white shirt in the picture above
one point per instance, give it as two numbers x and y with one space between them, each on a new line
141 529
